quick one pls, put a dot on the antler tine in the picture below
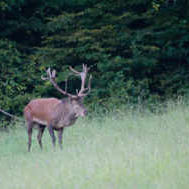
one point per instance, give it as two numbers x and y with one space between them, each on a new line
46 78
74 71
83 75
53 75
50 75
85 70
88 88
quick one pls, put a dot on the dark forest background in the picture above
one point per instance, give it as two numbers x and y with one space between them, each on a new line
137 49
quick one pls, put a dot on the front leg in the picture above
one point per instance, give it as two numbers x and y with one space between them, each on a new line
51 132
60 132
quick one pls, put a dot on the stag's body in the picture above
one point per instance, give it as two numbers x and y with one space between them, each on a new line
41 111
47 111
53 113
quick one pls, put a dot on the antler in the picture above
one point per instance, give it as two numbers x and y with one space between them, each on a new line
51 77
83 76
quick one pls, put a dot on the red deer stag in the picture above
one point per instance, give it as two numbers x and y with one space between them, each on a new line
56 114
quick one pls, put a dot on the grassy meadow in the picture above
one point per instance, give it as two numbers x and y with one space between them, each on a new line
125 150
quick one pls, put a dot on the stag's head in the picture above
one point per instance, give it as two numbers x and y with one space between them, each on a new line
78 107
75 101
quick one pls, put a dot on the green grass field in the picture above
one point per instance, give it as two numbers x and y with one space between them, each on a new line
132 150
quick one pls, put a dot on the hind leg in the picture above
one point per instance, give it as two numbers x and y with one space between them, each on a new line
41 129
30 127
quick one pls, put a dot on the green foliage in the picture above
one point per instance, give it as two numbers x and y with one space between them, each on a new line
16 80
136 49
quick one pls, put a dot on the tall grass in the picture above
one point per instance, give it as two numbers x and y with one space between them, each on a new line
134 149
